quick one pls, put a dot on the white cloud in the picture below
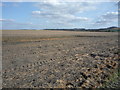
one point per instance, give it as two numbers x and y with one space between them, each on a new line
9 24
110 16
66 7
58 15
101 22
63 11
107 18
7 20
36 12
12 24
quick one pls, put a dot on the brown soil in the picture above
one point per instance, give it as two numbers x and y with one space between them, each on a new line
35 59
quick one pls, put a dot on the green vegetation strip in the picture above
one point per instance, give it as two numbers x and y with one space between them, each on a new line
114 78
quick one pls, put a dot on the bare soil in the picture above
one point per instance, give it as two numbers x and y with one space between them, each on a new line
58 59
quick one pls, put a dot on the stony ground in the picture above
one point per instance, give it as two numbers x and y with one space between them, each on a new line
79 61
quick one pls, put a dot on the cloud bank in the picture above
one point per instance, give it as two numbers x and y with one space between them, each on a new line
107 18
63 11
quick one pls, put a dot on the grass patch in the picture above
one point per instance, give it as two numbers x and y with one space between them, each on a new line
113 77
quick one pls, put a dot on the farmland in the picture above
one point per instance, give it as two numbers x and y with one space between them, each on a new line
58 59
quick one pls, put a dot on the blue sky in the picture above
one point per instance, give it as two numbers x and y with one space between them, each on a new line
42 15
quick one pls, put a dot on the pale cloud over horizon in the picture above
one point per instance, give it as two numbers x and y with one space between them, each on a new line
108 18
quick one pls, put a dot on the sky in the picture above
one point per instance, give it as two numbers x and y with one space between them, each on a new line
55 14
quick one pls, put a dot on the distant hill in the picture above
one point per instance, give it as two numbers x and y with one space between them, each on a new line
109 29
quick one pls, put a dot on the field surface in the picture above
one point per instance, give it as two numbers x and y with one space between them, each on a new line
58 59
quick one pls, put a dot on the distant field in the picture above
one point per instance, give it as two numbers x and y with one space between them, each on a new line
30 35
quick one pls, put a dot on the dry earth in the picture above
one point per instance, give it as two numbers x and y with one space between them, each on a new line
35 59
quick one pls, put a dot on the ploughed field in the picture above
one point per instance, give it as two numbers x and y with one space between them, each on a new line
58 59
